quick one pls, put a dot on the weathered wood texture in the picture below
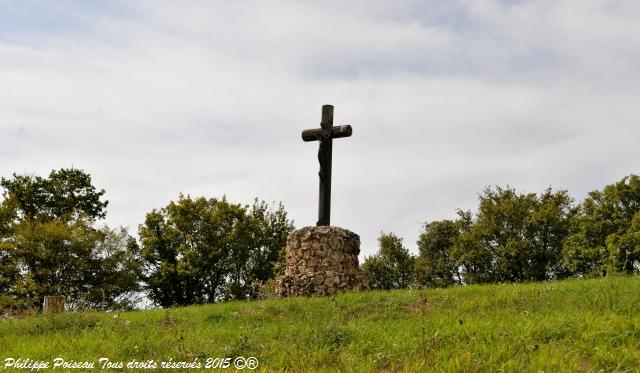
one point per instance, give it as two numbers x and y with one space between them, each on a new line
53 304
325 135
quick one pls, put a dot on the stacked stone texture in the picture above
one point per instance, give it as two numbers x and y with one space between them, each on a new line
321 261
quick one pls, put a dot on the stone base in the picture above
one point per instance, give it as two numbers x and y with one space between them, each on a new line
319 284
321 261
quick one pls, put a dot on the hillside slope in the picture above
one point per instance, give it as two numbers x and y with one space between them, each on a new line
585 325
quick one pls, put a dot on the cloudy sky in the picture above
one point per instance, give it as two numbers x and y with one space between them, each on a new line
155 98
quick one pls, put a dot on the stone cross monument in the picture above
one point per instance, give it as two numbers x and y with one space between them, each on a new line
322 260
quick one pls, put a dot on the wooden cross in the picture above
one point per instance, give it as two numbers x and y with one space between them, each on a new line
325 134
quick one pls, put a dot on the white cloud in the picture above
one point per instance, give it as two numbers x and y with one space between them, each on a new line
210 99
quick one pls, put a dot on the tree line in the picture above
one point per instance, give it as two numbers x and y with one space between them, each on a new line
517 237
205 250
194 250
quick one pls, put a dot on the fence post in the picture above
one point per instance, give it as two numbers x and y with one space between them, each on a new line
53 304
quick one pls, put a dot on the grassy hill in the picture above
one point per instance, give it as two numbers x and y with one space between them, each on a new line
576 325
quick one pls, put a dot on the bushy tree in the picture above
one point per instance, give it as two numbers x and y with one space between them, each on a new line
604 232
391 267
204 250
185 248
624 249
437 264
258 253
475 259
92 268
550 225
8 265
67 194
116 269
514 237
49 245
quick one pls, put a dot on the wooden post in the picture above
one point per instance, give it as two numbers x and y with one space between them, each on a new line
53 304
324 156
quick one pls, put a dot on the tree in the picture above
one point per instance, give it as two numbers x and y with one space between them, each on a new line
603 231
8 265
514 237
624 249
66 194
391 267
92 268
475 260
185 249
204 250
257 255
115 269
549 225
48 244
437 266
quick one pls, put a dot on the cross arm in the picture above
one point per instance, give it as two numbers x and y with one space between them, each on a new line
317 133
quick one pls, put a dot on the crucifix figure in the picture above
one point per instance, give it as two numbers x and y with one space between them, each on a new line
325 134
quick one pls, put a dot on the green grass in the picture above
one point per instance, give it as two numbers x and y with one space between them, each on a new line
575 325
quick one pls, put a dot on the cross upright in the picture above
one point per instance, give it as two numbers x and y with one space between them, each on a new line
325 134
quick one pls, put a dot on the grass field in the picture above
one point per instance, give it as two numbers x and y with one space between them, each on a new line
575 325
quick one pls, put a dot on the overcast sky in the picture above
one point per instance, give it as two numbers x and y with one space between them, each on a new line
207 98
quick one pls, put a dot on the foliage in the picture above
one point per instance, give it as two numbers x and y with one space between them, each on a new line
519 236
66 194
391 267
512 237
49 246
437 265
8 265
204 250
532 237
257 254
605 231
116 269
624 249
571 325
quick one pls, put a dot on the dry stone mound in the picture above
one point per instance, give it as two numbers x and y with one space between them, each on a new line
321 261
